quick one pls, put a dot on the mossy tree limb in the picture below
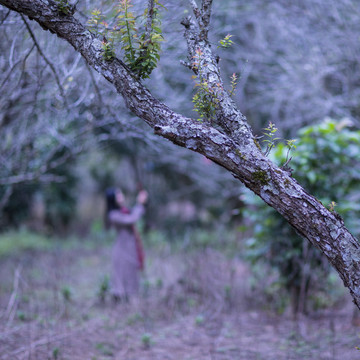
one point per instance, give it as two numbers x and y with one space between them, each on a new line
221 143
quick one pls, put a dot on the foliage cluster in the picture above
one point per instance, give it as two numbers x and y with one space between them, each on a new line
226 41
64 7
206 97
327 164
205 101
233 83
140 38
270 139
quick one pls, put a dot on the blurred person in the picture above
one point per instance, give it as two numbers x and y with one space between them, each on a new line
128 252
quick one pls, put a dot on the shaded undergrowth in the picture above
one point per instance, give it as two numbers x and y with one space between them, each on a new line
194 303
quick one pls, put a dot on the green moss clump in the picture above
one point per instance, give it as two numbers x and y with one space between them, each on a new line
261 177
241 156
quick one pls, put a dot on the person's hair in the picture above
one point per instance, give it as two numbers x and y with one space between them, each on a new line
111 204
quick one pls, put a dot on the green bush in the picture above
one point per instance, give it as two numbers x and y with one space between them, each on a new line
326 163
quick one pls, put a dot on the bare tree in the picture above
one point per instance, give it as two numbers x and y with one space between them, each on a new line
64 93
227 139
298 60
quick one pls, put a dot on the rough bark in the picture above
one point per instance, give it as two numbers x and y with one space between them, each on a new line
229 142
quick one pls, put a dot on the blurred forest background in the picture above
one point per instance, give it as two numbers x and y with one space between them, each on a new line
220 264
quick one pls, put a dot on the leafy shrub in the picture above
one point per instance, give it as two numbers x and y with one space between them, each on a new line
326 163
140 36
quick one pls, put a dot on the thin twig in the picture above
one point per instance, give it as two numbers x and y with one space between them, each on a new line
12 305
97 90
17 179
5 197
9 72
5 17
48 340
52 67
187 64
45 341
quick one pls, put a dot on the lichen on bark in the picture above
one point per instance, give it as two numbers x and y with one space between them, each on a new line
232 136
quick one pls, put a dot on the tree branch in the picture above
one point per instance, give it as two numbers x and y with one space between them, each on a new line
149 21
195 9
205 16
52 67
202 16
5 17
229 118
232 146
5 197
30 177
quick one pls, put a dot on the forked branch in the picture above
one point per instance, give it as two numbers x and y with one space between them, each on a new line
51 65
229 142
202 16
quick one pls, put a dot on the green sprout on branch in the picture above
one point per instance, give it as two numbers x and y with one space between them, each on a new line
226 42
108 48
270 139
332 206
128 31
205 99
290 144
233 83
95 20
140 37
64 7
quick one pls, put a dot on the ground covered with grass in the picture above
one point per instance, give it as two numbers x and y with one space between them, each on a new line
199 304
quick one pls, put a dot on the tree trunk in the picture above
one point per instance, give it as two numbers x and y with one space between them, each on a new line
228 141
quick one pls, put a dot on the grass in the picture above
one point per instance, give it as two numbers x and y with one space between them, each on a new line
17 242
63 291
